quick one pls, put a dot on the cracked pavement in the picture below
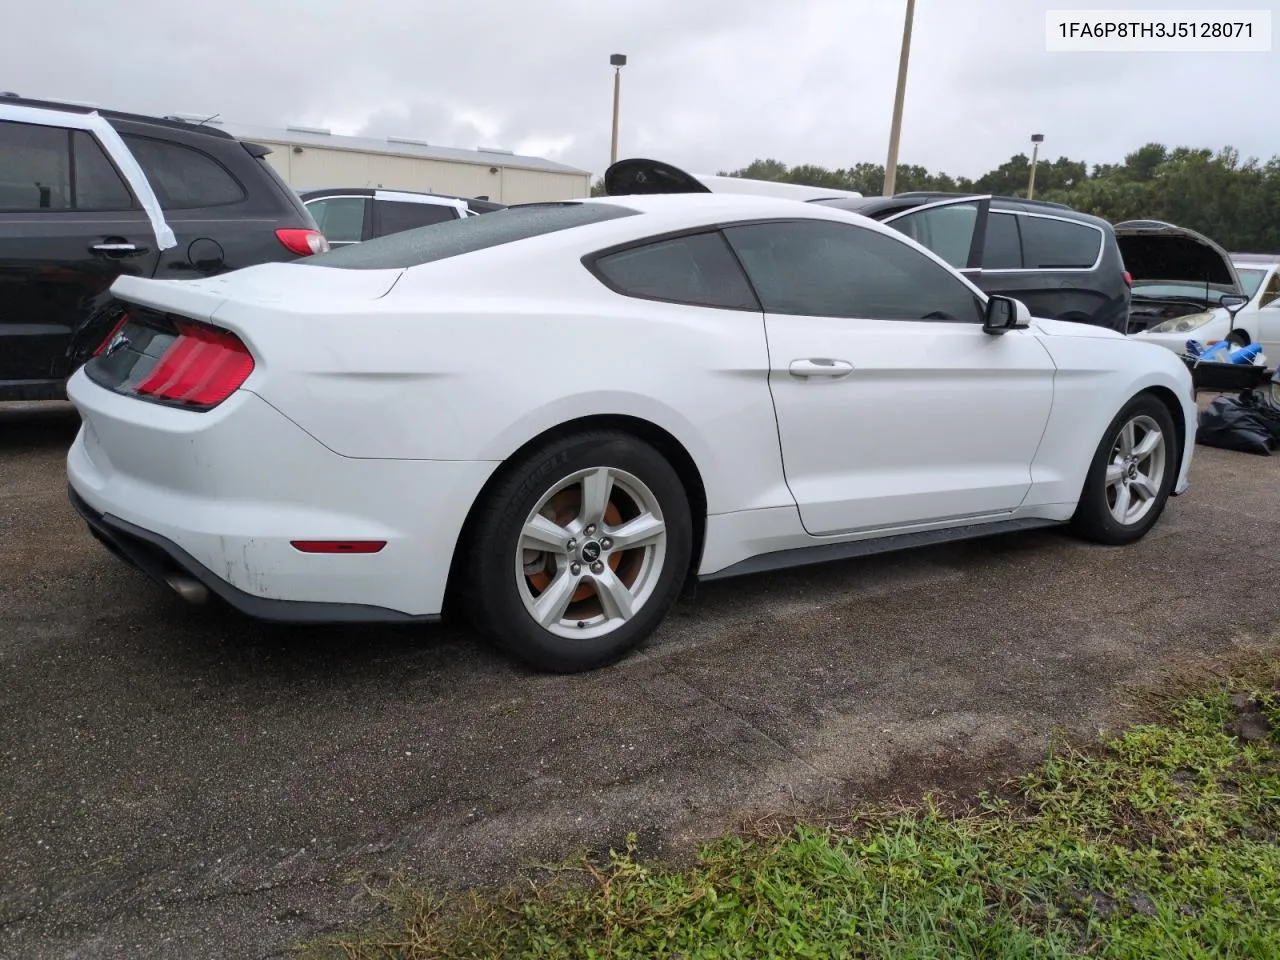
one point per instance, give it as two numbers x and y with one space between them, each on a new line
181 782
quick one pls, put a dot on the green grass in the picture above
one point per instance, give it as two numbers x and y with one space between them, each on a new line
1161 842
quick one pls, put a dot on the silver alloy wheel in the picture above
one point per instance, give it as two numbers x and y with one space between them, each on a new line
590 553
1135 472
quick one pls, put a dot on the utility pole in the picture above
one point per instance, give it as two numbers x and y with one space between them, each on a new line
618 61
1036 140
895 131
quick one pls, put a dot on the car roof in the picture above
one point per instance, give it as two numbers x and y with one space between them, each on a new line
1256 259
902 202
614 223
172 123
719 205
675 212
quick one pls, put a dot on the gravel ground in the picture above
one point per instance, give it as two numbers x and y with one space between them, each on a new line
181 782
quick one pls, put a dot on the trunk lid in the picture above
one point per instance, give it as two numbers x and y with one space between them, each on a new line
296 283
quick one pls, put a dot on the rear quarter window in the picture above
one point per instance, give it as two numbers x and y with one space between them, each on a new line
1058 244
453 238
395 216
184 178
698 270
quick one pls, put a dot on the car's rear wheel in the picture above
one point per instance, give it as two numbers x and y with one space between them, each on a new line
579 552
1131 475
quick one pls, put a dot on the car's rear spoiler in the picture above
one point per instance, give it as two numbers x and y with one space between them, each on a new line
258 150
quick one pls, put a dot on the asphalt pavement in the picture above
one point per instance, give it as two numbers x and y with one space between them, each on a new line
181 782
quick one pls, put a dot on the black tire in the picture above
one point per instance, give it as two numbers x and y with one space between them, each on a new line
492 594
1093 519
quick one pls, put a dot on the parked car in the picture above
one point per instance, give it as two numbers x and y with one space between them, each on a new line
640 176
355 214
1062 264
1181 279
559 413
89 195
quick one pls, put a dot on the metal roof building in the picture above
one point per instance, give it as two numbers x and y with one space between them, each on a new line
310 158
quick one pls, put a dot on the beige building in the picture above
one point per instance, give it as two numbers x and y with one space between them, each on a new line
310 159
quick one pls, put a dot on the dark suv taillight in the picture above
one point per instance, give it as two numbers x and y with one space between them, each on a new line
172 361
301 241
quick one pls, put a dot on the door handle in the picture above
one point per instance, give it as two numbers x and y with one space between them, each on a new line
118 248
820 367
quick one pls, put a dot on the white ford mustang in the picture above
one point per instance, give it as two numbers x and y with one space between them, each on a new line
560 414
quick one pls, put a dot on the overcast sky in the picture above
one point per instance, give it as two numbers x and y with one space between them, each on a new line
710 84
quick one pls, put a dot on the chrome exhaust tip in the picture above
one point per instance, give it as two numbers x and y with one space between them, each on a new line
189 589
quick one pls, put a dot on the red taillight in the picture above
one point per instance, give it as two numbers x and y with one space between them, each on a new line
338 546
301 241
1128 279
202 367
111 336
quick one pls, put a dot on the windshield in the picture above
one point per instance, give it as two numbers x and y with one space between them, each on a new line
1250 279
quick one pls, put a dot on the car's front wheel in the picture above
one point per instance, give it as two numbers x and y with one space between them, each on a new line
579 551
1131 475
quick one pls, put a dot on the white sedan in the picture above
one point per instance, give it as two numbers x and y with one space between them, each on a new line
559 414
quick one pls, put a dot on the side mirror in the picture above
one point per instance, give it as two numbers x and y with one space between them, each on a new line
1005 314
1233 302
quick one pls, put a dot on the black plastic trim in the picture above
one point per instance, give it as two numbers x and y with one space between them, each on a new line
149 552
826 552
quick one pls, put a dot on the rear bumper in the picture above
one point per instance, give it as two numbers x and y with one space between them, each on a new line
218 498
162 559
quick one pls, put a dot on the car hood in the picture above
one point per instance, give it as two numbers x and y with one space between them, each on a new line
1071 328
638 175
1161 252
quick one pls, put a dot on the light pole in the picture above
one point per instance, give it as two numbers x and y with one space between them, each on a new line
895 130
617 61
1036 140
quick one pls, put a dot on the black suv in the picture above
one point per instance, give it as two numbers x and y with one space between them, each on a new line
1062 264
355 214
87 195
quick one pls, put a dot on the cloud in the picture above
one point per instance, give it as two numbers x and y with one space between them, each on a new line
710 85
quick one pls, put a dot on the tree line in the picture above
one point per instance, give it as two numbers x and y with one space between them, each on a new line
1233 201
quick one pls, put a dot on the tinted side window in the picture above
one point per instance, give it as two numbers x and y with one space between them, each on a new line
823 269
340 219
947 231
698 270
35 167
1002 248
97 184
183 178
394 215
1047 244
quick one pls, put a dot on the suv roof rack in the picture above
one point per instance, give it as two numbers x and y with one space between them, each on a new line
171 122
943 194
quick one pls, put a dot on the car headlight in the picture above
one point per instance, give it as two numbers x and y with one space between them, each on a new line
1193 321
